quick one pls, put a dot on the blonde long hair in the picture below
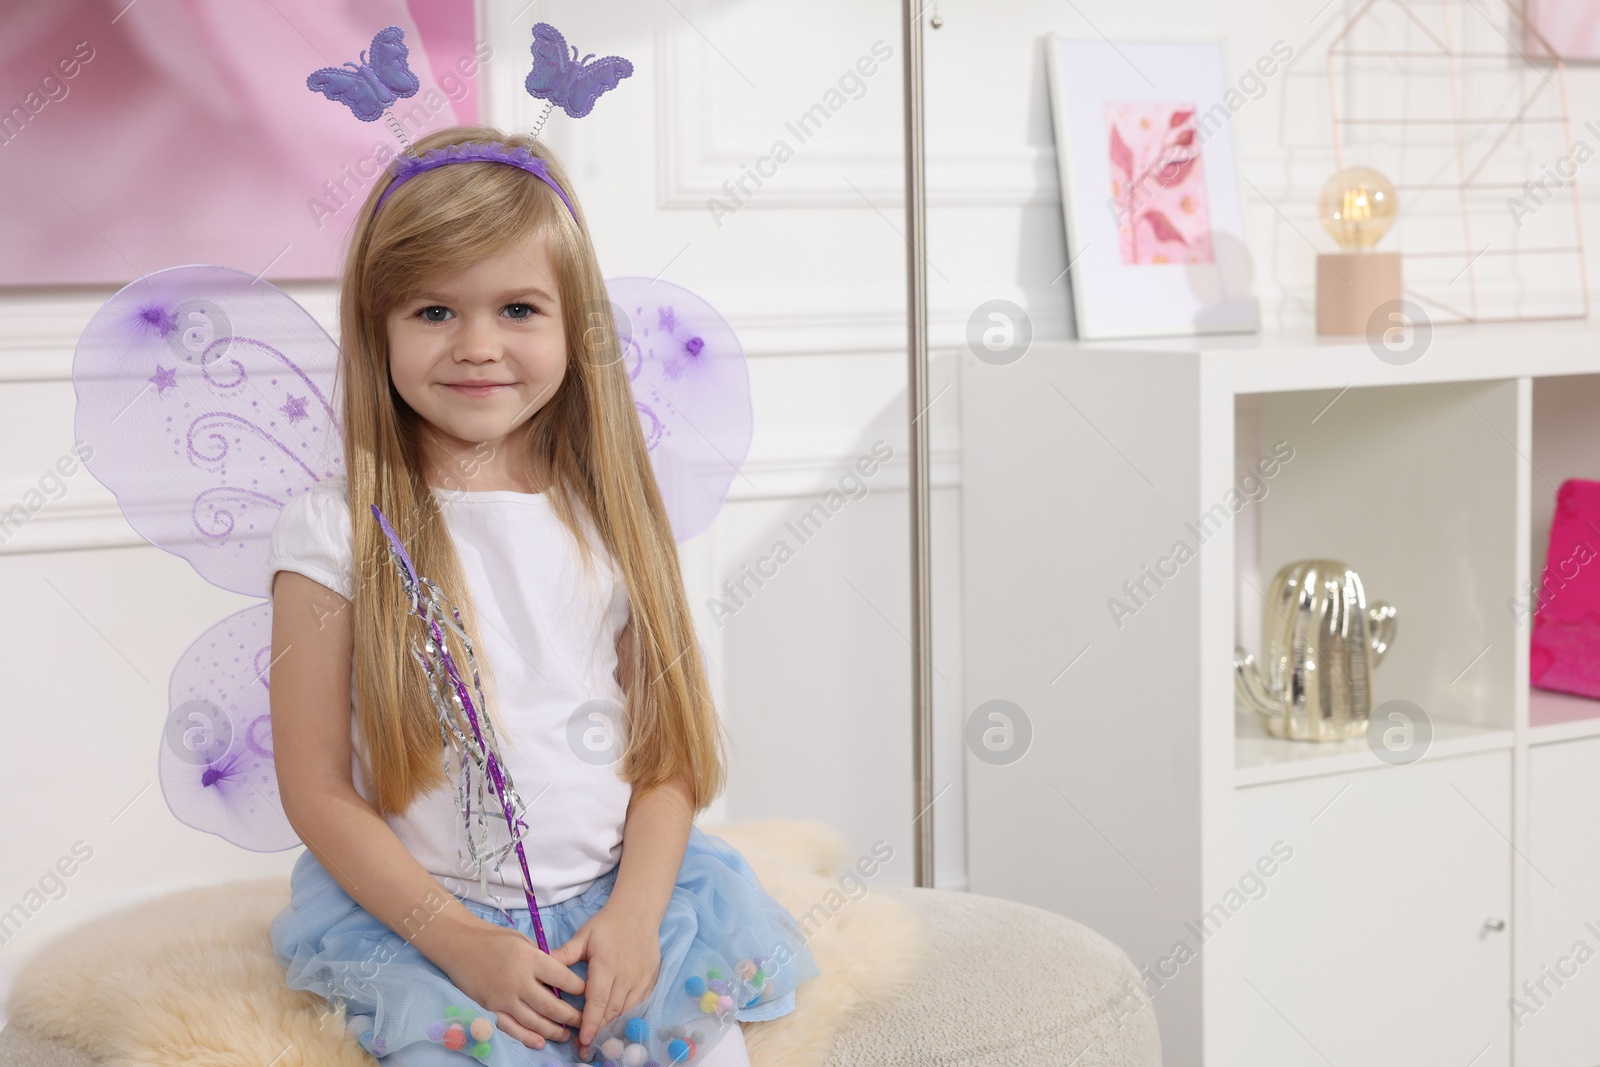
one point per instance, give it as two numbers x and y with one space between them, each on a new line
587 437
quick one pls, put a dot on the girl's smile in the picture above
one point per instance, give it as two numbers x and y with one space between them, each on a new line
473 389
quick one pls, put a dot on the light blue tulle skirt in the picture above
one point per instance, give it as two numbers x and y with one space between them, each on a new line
728 952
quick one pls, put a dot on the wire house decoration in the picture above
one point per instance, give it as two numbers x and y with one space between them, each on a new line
1476 138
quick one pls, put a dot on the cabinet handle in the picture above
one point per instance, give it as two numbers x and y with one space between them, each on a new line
1494 924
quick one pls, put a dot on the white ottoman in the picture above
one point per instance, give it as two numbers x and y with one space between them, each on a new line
1007 984
910 978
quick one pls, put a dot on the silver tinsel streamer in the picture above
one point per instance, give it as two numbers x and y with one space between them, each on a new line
477 752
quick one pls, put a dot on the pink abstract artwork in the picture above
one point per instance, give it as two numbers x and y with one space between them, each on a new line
1571 28
1158 185
137 136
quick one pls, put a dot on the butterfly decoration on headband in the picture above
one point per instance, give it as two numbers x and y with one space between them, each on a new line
566 81
368 88
207 396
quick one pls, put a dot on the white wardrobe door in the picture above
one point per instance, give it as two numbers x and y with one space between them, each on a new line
1556 1006
1383 938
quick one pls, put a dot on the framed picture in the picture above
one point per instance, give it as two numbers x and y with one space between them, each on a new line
1150 195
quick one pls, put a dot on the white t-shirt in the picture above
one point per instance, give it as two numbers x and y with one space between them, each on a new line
549 634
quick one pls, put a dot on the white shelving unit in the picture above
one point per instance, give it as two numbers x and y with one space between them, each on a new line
1290 902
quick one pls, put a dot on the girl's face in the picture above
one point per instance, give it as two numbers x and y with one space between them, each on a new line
478 354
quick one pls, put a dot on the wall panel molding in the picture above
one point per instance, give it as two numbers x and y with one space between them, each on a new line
88 518
695 160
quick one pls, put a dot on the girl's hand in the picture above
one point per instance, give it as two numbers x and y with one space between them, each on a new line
503 970
623 947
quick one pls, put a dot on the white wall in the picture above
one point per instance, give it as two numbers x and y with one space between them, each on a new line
813 674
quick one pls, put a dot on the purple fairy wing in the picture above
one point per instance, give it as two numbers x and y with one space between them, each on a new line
216 764
692 391
207 399
388 58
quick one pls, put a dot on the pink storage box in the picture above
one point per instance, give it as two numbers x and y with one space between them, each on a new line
1565 650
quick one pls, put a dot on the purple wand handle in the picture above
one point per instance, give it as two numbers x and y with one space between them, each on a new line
414 587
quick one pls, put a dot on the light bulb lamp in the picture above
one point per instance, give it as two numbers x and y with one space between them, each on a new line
1357 207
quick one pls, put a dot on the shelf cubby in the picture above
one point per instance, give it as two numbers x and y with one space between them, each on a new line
1566 444
1414 487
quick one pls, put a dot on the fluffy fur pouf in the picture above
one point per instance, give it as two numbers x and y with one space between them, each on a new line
189 978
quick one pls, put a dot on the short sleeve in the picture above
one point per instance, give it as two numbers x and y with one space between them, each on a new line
312 537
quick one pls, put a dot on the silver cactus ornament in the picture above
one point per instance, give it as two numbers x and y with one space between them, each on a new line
1320 642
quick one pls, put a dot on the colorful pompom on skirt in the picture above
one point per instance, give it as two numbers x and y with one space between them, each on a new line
728 952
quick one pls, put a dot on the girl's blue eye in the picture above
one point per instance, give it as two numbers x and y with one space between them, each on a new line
427 313
528 308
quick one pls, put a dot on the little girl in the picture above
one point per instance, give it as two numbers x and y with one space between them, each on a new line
487 413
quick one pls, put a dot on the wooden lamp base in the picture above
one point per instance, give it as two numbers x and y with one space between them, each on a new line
1353 285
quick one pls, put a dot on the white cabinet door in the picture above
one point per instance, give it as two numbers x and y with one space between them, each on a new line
1373 941
1556 1010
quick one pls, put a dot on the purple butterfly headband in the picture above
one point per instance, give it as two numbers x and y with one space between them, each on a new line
372 86
409 166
